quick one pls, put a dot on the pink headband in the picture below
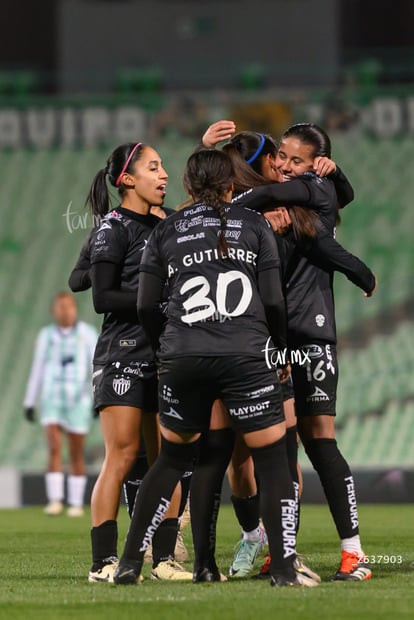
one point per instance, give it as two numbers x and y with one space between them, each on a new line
118 181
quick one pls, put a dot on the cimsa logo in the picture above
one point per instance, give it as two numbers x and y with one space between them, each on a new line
314 351
121 385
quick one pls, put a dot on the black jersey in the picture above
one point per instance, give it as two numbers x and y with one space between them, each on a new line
307 266
79 279
309 299
308 190
214 306
120 240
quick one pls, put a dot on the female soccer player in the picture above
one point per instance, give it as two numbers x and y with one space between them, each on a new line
124 378
225 298
61 375
79 280
254 160
311 328
310 260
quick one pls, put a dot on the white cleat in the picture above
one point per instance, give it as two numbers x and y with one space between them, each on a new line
75 511
304 571
105 574
53 509
170 570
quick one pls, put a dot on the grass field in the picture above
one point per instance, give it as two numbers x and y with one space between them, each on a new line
45 562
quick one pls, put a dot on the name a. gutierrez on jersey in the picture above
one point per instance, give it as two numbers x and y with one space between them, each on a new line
197 258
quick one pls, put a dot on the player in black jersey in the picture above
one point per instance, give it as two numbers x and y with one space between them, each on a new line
254 160
225 298
307 239
311 327
124 378
79 280
310 262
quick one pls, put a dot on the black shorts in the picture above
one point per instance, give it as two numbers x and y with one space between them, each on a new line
287 389
129 384
188 387
315 381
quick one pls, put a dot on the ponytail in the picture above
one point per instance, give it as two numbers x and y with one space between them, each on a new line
210 198
208 176
98 195
303 222
121 160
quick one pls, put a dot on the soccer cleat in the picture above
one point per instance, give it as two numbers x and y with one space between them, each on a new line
148 555
305 571
53 509
264 571
127 573
291 580
180 551
208 575
170 570
352 568
105 572
75 511
185 517
246 554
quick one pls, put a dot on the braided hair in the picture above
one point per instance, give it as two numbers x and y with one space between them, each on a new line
208 176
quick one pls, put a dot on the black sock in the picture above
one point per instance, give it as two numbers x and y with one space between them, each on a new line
277 504
216 448
185 490
163 541
337 482
247 510
133 481
155 494
104 539
292 454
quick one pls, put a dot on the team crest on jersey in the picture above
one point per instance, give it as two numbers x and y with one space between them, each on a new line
320 320
121 385
181 226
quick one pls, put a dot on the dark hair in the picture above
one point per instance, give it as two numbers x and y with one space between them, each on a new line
312 134
240 149
208 176
315 136
98 196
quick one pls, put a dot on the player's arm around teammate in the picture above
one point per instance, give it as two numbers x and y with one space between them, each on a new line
195 379
124 379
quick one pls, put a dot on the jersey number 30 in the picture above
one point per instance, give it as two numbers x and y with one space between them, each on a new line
206 306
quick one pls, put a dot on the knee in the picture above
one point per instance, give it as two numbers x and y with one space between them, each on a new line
121 458
324 455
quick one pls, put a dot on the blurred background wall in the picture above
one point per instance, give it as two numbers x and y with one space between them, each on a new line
79 77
